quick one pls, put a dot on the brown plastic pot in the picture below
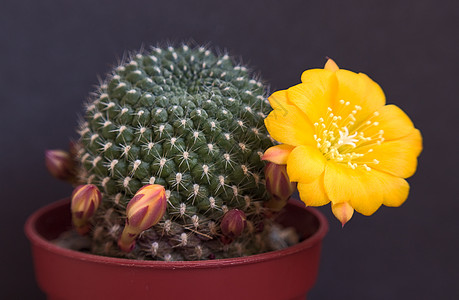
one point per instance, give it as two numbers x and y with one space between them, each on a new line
66 274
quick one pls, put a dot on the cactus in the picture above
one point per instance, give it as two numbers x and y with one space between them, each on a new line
188 120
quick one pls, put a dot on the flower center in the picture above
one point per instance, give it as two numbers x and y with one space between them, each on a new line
342 140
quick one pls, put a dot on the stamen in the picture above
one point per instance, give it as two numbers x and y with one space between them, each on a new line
339 141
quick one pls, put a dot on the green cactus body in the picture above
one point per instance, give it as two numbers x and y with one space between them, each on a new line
192 122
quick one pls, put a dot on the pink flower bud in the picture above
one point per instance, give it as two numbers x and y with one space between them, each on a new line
278 185
145 209
60 164
233 223
85 201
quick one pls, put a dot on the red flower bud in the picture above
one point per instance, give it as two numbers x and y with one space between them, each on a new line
60 164
85 201
145 209
233 223
278 185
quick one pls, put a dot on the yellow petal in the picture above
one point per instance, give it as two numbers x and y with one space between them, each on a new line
290 126
395 189
279 100
359 90
314 95
343 212
339 183
374 191
331 65
397 157
392 120
305 164
313 193
278 154
355 186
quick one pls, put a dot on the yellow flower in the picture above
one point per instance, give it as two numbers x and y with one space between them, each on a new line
341 143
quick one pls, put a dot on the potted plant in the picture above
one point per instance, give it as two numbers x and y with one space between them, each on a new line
183 172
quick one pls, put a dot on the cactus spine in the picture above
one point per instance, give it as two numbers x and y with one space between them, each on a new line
192 122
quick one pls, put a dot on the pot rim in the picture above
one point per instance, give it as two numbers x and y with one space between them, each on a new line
41 242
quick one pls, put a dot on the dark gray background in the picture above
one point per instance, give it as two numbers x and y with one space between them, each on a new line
52 52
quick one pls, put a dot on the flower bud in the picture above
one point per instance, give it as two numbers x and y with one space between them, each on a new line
233 223
145 209
278 185
60 164
85 201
